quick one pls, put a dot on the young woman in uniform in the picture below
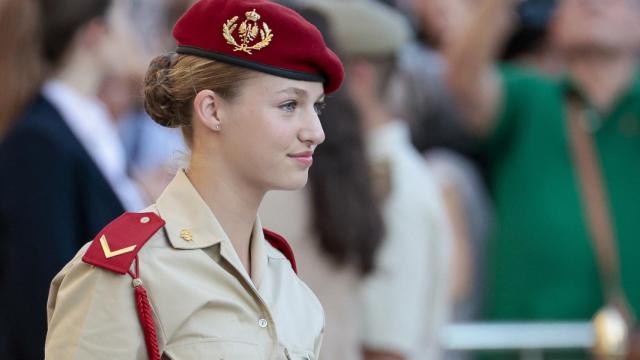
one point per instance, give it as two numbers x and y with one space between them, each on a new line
195 276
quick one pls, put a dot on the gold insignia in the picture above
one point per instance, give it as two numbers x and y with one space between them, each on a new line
185 234
248 31
108 253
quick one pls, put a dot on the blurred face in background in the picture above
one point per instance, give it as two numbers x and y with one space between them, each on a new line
121 60
432 17
441 19
597 25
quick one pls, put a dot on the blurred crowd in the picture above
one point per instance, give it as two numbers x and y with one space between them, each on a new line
478 163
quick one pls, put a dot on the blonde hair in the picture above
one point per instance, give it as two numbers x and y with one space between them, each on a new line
172 82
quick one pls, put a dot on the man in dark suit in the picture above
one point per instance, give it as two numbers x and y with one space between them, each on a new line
55 194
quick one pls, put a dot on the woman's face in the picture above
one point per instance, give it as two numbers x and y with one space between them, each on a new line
269 131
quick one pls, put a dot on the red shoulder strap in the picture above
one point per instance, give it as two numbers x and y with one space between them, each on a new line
279 242
116 246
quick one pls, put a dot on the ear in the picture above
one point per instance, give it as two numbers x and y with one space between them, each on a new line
207 108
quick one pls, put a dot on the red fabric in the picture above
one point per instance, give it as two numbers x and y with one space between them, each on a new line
125 231
145 314
146 320
296 44
280 243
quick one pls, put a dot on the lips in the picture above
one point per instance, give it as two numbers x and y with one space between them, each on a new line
304 158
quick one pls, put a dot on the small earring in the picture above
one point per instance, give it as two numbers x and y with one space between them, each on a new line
217 127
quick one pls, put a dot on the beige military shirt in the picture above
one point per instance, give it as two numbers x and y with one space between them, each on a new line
205 305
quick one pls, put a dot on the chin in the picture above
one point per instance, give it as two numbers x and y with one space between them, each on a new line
292 182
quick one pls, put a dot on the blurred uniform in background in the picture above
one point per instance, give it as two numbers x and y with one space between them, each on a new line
405 302
335 224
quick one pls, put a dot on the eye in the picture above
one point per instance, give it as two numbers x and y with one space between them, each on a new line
319 106
289 106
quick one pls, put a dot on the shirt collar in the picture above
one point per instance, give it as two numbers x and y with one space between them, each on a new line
258 253
88 119
91 124
190 224
631 93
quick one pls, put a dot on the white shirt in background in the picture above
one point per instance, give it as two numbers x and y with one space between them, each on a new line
406 301
90 122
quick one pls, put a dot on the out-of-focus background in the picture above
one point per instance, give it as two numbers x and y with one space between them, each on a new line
448 215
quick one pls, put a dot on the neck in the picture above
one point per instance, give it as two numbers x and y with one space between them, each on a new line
603 77
234 204
81 73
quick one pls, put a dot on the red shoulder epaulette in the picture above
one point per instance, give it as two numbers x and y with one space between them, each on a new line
116 246
281 244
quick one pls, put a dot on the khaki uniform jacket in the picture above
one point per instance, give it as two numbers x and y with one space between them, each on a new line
205 305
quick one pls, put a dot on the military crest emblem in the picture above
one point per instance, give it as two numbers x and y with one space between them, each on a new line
246 38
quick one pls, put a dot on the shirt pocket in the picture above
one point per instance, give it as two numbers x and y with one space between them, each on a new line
212 349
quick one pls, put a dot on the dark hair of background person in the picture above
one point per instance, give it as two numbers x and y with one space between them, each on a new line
20 63
345 212
60 22
532 23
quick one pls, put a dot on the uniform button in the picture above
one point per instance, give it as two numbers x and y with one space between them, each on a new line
263 323
145 220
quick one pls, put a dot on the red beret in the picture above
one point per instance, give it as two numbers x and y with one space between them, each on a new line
260 35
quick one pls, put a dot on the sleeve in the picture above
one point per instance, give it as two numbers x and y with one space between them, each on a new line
517 84
318 345
397 307
37 228
92 315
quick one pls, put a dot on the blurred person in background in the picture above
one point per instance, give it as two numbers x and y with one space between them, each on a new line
529 43
21 67
542 259
335 223
21 71
470 212
153 152
405 302
62 168
437 129
427 104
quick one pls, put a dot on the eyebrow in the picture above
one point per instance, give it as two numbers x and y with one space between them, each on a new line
299 92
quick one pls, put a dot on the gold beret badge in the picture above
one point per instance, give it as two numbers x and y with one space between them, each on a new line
248 33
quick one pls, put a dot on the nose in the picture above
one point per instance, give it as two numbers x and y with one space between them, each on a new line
312 133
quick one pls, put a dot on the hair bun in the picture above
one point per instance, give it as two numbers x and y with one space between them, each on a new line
159 100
